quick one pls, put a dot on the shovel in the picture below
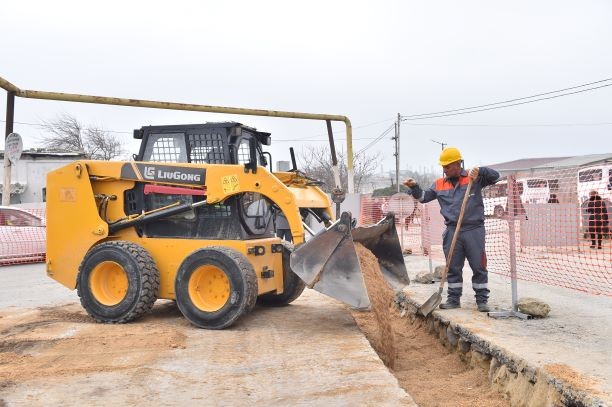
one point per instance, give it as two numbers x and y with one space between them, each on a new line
435 300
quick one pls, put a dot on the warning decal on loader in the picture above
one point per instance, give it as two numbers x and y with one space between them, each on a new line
230 184
67 195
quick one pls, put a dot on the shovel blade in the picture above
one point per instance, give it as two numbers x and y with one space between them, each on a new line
382 240
328 263
430 305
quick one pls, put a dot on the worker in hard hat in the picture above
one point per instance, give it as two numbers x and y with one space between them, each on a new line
449 191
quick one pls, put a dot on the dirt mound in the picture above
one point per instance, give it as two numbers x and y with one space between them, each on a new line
64 340
429 372
381 300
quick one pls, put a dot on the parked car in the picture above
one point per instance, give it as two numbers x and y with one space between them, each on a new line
22 236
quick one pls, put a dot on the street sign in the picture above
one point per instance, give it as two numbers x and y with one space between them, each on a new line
13 147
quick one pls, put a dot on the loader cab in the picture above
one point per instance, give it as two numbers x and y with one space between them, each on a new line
244 216
209 143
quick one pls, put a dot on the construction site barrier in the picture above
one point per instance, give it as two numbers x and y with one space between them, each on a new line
22 235
559 219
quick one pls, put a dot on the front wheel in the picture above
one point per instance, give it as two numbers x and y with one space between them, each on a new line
215 286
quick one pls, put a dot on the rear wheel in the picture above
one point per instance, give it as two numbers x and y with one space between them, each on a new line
118 282
215 286
292 284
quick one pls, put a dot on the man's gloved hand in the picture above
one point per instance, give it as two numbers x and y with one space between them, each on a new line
473 173
410 183
415 190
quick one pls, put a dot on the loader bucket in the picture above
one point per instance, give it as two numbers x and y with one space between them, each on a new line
381 239
328 262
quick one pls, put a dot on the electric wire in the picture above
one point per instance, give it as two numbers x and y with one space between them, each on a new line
517 99
434 115
376 140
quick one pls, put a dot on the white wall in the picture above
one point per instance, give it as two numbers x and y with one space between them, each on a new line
33 173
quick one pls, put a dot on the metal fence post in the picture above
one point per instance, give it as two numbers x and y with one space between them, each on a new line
513 214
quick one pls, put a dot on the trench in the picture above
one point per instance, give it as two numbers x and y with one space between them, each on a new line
432 373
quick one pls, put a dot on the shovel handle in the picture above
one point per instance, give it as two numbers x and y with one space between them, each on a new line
457 230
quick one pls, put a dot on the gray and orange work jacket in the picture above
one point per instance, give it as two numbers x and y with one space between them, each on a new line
450 193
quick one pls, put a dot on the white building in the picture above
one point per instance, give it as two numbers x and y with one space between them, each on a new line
29 176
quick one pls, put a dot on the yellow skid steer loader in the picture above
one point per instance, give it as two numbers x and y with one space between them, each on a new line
192 219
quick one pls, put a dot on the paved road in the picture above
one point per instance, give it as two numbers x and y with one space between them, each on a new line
309 353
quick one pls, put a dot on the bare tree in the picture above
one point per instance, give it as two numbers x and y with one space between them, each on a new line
317 163
101 145
67 134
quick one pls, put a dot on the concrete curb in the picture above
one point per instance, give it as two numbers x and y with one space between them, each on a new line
524 384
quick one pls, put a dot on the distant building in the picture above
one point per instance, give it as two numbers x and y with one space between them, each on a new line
373 182
29 176
562 174
283 166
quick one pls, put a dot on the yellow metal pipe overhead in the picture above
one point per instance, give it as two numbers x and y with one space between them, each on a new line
105 100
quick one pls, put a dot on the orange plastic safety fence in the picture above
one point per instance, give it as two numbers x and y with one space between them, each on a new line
22 235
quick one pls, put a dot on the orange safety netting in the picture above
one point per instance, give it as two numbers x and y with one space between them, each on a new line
22 235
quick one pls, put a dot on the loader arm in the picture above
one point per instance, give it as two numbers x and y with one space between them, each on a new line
218 182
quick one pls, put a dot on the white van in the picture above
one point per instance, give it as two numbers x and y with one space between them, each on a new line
598 179
531 191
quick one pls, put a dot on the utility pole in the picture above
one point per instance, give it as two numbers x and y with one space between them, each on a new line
441 143
399 123
395 138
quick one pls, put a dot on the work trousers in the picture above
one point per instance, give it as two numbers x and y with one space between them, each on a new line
471 245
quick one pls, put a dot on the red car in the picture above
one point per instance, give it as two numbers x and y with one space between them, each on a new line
22 236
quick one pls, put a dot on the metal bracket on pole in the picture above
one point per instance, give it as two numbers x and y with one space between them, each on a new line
512 196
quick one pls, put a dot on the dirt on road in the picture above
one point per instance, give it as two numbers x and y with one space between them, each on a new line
63 340
429 372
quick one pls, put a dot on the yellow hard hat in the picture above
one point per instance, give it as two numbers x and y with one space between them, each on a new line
450 155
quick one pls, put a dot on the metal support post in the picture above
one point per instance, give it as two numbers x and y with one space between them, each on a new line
512 216
10 117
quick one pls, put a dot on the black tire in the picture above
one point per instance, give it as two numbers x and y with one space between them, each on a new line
132 297
293 286
233 292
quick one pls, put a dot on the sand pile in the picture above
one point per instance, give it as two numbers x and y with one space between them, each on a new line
381 300
429 372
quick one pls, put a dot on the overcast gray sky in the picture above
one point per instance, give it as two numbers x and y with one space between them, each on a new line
366 60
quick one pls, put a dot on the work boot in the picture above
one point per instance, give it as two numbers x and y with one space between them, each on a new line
483 307
451 303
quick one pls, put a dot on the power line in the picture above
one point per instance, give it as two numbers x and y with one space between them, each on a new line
43 126
511 125
517 99
377 139
338 131
281 140
502 107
